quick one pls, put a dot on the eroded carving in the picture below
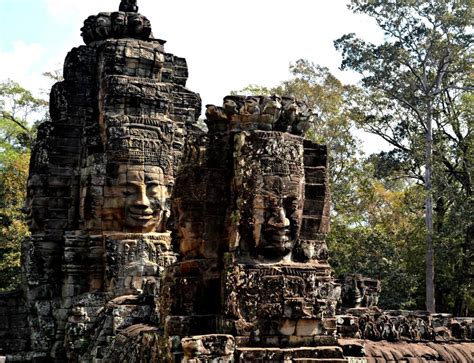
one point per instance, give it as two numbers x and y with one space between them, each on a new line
360 292
269 188
36 204
146 198
121 24
269 113
128 6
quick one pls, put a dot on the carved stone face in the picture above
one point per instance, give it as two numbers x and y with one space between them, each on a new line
190 231
146 196
252 105
269 188
35 207
103 25
88 29
277 210
119 23
190 239
136 24
128 5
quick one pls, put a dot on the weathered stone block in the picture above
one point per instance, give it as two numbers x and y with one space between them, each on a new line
309 327
209 346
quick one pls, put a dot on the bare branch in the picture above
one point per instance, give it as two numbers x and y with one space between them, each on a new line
9 117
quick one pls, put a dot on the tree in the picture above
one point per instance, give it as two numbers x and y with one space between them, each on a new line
13 229
454 158
379 233
17 107
413 82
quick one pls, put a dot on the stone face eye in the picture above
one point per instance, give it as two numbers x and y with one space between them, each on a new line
153 189
129 190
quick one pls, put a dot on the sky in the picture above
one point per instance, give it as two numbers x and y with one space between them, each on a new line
227 44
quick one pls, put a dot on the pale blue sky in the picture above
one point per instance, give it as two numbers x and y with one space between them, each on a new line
228 44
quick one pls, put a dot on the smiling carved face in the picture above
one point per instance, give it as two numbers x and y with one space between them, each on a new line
146 200
277 210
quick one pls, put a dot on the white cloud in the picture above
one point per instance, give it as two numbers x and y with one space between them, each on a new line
67 11
20 64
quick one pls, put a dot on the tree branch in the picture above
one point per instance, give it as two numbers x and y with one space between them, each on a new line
9 117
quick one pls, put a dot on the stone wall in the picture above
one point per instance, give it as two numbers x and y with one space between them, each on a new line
14 332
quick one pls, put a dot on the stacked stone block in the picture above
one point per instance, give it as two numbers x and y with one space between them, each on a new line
315 225
14 332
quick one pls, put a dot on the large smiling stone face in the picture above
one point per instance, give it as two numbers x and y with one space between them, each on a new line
146 198
277 211
269 187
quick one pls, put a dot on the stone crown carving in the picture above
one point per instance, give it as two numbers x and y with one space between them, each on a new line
116 25
268 113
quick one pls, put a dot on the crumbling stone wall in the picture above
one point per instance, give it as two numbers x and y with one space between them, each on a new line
14 330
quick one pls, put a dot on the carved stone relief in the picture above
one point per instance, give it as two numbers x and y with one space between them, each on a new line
153 238
269 189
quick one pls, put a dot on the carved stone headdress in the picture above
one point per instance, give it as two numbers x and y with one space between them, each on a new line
141 140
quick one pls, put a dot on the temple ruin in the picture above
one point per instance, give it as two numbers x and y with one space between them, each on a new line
153 240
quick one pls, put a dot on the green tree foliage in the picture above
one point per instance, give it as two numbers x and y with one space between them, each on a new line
379 233
13 228
17 107
417 95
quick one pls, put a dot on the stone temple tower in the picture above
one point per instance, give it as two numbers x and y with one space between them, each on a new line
102 173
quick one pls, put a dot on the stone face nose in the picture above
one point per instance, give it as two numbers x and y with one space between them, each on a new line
279 220
142 200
